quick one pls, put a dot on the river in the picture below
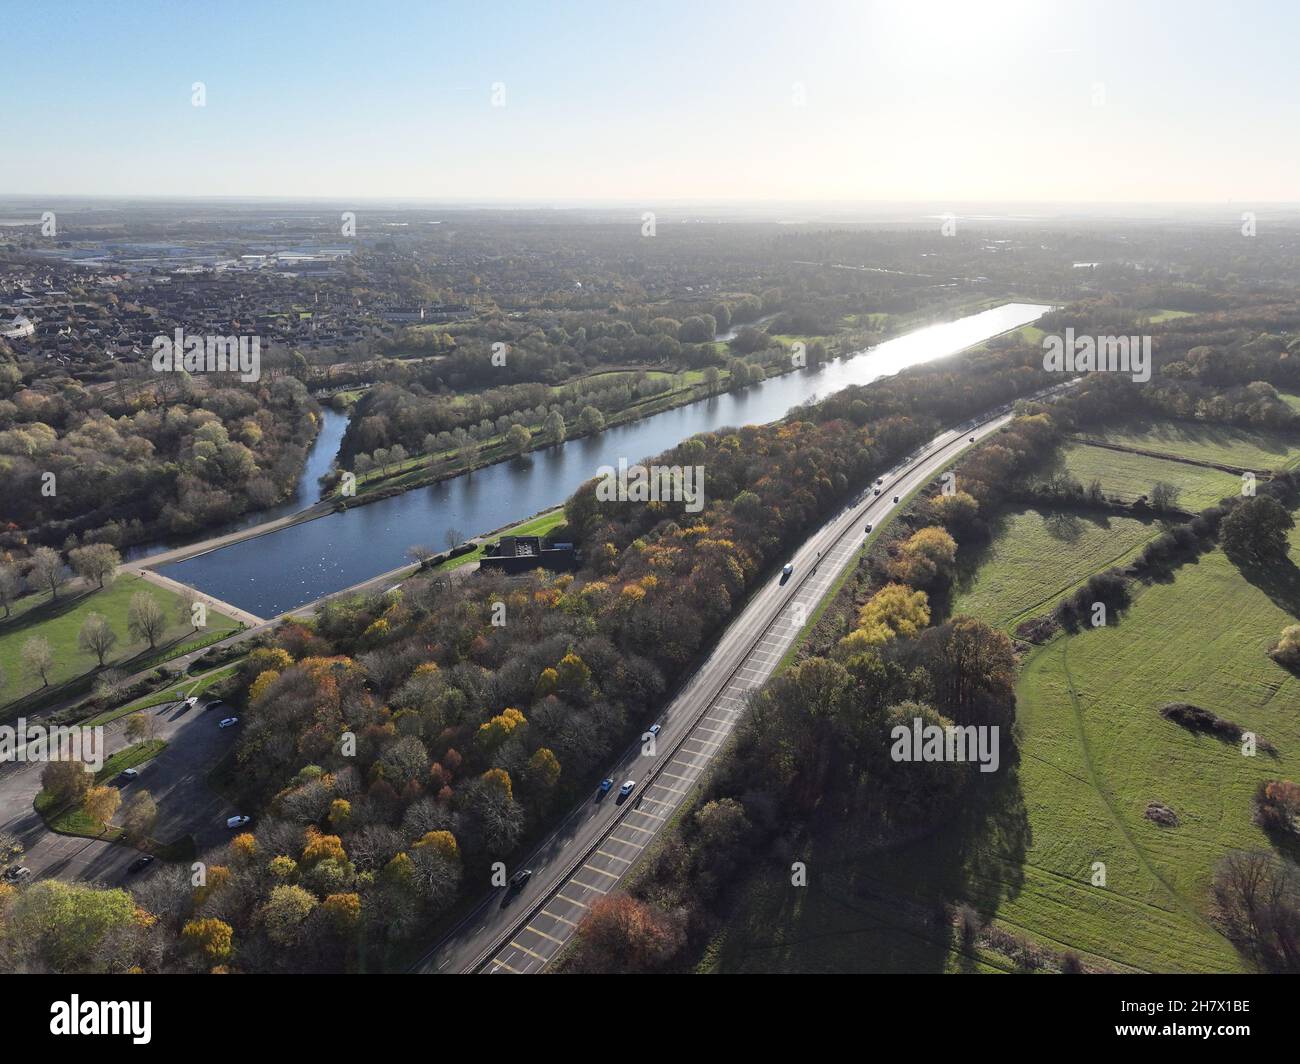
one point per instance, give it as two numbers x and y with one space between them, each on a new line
296 565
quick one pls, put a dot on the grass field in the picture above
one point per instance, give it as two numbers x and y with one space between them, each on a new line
1248 448
1011 581
60 621
1126 476
1167 315
1094 752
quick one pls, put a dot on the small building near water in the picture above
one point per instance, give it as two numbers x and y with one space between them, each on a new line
519 554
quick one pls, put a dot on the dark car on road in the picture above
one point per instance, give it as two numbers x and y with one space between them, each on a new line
141 863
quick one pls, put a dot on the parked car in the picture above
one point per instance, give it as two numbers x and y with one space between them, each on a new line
129 774
17 872
233 822
877 491
895 498
141 863
972 439
228 722
868 526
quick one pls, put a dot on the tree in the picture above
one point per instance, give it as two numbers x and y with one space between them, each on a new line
1257 898
140 816
453 537
1164 496
590 420
97 562
285 913
48 570
517 438
895 610
11 586
60 926
621 933
1256 530
553 429
211 937
66 781
926 559
712 379
420 554
186 599
38 658
141 726
145 618
96 636
101 803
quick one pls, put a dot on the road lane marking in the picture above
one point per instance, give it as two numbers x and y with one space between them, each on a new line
644 831
557 916
578 882
571 901
528 951
557 941
624 842
614 857
503 964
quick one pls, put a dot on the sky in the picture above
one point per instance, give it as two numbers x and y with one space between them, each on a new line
651 102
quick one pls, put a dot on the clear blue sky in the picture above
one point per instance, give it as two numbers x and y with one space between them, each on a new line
960 100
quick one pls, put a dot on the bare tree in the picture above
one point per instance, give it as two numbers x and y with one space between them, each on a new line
145 618
454 538
96 562
11 586
96 636
420 554
48 570
38 658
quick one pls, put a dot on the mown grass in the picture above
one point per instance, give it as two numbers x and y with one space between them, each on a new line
60 621
1126 476
1249 448
132 757
1037 556
1093 751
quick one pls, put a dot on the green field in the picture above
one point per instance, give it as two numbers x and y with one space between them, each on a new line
60 621
1126 476
1249 448
1094 752
1037 556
